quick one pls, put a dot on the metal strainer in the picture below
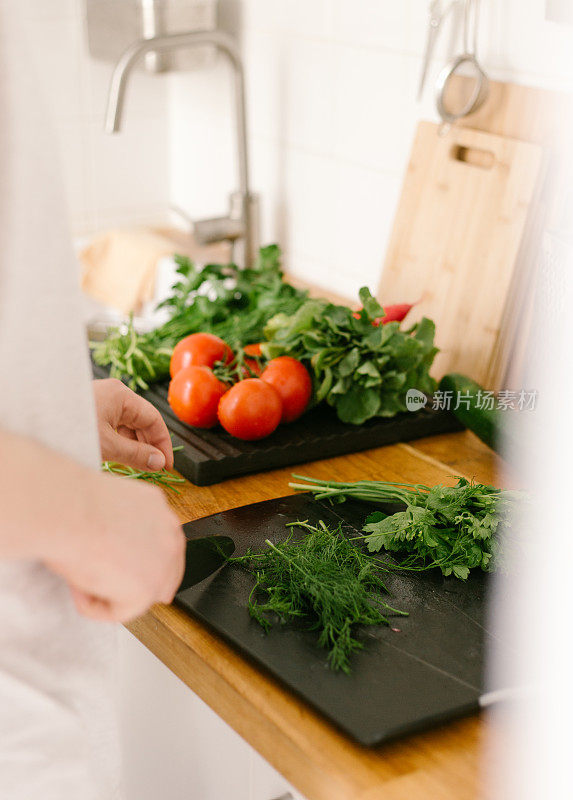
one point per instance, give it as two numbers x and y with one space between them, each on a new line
466 64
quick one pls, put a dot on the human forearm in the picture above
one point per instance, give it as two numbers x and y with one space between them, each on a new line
42 498
116 543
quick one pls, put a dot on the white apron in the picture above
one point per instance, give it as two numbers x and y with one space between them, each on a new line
58 738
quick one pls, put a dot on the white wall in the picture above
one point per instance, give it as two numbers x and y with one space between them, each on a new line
109 180
332 110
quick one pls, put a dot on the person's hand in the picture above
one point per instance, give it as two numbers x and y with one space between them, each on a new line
131 430
129 553
115 542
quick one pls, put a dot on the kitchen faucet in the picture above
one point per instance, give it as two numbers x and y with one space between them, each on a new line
241 224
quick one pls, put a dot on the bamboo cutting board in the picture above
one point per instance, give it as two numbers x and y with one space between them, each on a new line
456 240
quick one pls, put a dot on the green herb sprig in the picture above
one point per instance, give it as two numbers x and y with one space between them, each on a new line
322 582
451 528
163 478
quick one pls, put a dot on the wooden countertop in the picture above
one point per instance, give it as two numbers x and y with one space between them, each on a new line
311 754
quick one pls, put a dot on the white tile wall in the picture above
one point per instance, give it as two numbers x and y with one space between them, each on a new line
203 169
331 107
108 180
332 110
372 23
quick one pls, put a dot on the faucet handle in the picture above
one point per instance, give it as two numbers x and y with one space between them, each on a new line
213 230
218 229
232 228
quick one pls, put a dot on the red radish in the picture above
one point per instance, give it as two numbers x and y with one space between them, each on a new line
395 313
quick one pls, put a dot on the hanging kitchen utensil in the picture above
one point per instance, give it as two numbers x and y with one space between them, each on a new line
451 102
451 106
437 15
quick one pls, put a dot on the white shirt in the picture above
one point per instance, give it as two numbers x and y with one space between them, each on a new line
58 738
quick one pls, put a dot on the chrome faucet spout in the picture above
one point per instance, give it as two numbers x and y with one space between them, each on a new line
176 41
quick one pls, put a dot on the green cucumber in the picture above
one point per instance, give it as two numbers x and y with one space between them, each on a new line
485 423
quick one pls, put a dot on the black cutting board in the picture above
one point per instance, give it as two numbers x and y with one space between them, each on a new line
211 456
429 672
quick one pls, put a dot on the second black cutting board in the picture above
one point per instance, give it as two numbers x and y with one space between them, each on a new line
211 456
428 672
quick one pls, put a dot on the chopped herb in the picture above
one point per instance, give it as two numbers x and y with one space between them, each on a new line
321 582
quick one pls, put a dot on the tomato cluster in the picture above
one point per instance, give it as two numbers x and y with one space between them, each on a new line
252 407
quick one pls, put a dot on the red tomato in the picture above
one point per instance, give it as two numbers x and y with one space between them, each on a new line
194 395
199 350
293 383
253 349
250 410
253 364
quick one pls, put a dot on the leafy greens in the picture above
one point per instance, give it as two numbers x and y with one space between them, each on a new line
232 303
362 370
453 528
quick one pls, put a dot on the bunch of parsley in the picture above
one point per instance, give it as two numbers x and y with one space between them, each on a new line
452 528
361 369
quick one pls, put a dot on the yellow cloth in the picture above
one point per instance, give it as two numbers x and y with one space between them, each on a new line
119 267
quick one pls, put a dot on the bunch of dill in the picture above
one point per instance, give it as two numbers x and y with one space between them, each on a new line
323 583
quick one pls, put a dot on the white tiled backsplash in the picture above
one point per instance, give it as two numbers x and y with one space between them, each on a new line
332 90
109 180
332 110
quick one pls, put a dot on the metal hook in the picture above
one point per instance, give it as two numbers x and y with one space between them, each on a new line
437 15
471 25
469 56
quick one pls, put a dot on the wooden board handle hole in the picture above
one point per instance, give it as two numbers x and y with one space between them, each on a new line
474 156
